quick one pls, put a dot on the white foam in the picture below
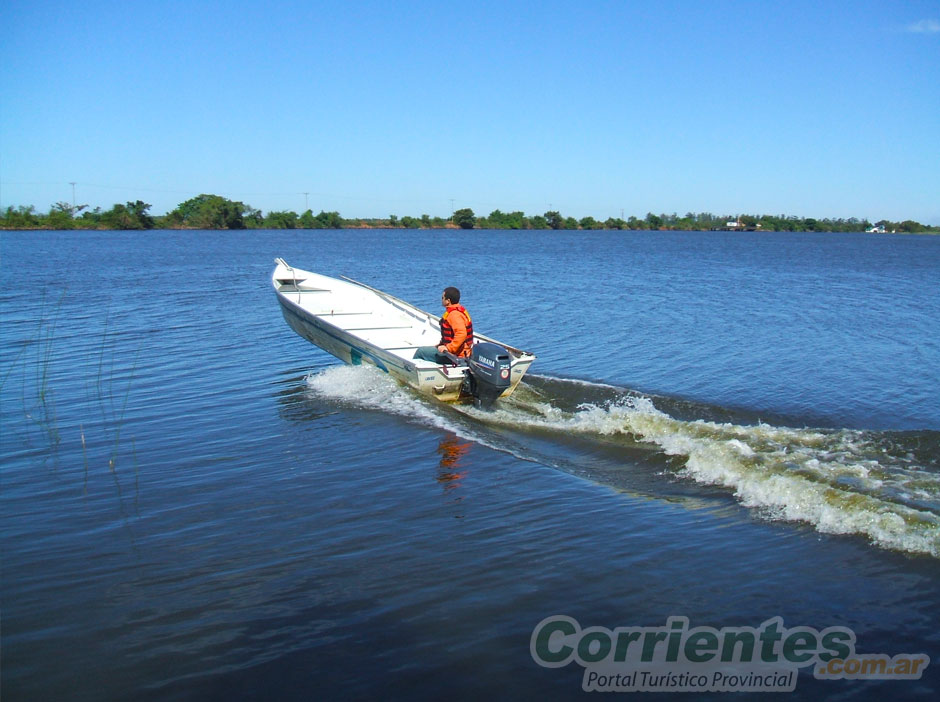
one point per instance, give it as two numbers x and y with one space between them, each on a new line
831 480
789 474
367 387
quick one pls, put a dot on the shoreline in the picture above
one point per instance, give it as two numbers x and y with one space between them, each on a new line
215 212
453 227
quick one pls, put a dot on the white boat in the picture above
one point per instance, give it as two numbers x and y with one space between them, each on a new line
359 324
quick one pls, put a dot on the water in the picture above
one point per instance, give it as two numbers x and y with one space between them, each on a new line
197 504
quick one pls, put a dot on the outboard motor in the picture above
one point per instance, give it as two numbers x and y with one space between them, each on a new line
489 373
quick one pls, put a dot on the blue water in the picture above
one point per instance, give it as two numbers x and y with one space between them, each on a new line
197 504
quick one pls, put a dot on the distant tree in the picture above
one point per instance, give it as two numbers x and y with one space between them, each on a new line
329 220
22 216
281 220
174 219
570 223
118 218
554 219
392 221
465 219
779 223
67 209
538 222
60 216
212 212
133 215
91 218
139 210
706 221
653 221
308 221
911 227
517 220
589 223
687 223
503 220
409 222
252 218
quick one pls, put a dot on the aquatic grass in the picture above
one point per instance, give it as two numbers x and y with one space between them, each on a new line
104 341
105 395
81 431
113 418
136 477
39 405
120 419
46 348
102 394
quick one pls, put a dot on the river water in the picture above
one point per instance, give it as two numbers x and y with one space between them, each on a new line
198 504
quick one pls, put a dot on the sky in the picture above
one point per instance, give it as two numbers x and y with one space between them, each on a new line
592 108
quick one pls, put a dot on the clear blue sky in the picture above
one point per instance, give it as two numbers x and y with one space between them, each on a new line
811 108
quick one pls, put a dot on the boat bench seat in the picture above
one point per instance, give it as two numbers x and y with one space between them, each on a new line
395 332
403 351
287 286
339 313
388 337
362 329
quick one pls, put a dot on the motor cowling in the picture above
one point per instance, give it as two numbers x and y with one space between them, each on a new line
490 373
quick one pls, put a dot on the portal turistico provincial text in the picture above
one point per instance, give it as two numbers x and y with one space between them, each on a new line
678 658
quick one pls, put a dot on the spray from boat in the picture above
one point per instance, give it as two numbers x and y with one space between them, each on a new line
882 485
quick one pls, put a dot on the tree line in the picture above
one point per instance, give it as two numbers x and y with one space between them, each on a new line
217 212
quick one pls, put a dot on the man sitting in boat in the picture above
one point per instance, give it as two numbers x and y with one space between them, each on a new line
456 331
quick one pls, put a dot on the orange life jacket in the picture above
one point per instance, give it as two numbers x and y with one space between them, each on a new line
447 331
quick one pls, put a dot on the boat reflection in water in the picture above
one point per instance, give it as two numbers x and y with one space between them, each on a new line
453 451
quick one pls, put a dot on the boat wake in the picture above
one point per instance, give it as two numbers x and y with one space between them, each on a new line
882 485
